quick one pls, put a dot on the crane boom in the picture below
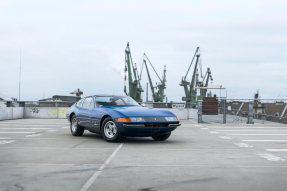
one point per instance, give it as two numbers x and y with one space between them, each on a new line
192 86
150 82
191 62
153 67
135 88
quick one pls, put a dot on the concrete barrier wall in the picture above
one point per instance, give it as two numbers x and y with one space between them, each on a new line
192 113
11 113
60 112
180 113
45 112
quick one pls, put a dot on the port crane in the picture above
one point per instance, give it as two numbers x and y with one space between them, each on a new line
135 88
190 87
159 95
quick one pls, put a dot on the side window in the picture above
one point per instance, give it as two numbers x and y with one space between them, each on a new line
92 104
79 104
87 102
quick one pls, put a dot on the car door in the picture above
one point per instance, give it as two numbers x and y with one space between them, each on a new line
84 114
97 115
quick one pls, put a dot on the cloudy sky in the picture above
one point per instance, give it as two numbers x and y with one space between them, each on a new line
80 44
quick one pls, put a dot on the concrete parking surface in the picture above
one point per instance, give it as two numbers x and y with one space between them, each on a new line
41 154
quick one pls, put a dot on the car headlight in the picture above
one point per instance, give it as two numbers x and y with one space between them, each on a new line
171 119
137 119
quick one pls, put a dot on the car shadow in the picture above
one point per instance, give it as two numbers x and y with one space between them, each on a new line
147 140
130 140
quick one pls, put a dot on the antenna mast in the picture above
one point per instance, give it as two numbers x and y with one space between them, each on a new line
20 72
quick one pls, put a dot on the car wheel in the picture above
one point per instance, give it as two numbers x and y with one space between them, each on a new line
110 131
76 129
162 137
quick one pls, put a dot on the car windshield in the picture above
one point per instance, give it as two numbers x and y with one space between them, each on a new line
115 100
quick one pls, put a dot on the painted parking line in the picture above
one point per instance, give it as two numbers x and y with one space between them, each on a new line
34 123
33 135
224 137
248 127
97 173
19 132
23 128
29 125
204 128
265 140
6 142
66 127
5 138
242 145
52 130
213 132
250 130
259 134
277 150
271 157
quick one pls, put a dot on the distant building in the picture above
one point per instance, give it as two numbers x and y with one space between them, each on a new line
6 98
59 98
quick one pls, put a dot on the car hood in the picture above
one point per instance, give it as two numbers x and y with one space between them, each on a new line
136 111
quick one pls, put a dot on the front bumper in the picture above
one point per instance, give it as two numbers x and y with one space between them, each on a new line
143 125
146 129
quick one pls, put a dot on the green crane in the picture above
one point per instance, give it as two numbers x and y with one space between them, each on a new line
207 76
159 95
189 87
135 88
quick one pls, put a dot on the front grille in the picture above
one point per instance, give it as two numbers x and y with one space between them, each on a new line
156 124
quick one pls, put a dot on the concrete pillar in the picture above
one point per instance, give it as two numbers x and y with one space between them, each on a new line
262 118
250 113
224 111
9 103
199 112
21 104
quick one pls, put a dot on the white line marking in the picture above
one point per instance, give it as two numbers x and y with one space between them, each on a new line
66 127
198 125
5 138
265 140
277 150
97 173
271 157
33 135
24 128
213 132
251 130
259 134
247 127
204 128
19 132
224 137
31 122
30 125
52 130
242 145
6 142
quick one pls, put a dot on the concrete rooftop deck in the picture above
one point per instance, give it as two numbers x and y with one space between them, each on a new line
41 154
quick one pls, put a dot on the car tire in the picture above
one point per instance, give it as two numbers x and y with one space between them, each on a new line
162 137
110 131
76 129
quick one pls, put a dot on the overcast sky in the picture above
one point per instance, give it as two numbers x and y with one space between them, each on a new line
81 44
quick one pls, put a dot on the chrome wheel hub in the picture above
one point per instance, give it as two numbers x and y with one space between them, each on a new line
74 125
110 129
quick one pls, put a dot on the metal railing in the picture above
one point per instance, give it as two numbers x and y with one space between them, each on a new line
5 103
254 111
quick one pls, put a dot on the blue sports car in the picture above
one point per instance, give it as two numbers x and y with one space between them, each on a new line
118 116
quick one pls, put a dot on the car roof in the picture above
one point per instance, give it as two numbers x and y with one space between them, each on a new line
108 95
